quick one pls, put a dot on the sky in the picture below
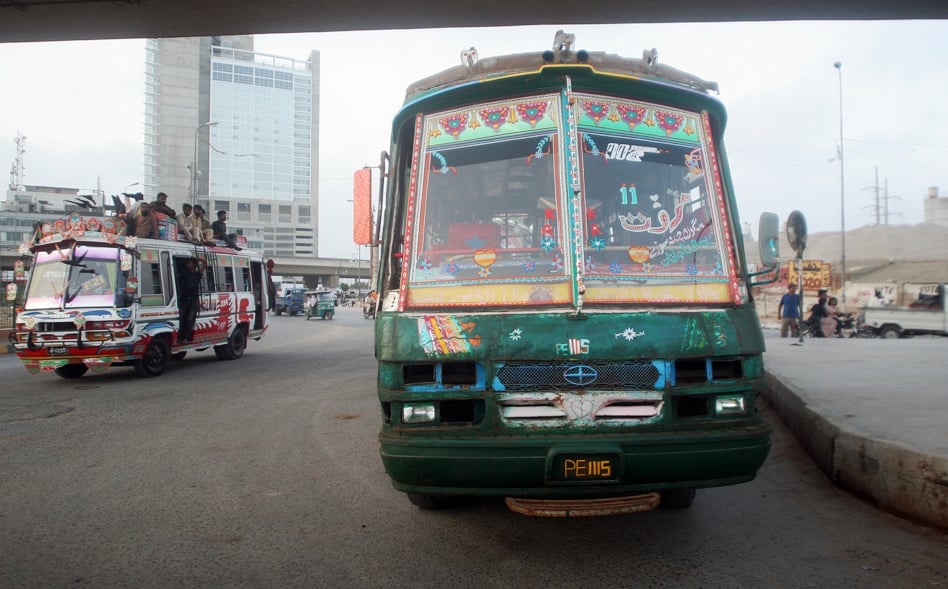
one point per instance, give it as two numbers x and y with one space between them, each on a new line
80 105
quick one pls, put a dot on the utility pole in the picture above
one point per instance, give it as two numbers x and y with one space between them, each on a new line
877 203
886 198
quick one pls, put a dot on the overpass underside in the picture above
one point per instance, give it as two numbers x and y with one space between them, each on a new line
52 20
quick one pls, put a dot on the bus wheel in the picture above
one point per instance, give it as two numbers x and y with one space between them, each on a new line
71 370
678 498
432 502
234 348
155 359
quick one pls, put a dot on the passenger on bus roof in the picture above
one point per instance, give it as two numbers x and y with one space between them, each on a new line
160 205
220 230
146 223
186 227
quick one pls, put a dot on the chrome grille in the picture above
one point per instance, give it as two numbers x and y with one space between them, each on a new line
523 376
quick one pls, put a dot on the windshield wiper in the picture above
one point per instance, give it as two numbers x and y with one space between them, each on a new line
72 261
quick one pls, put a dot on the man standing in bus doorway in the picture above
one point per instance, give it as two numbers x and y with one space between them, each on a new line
271 288
190 288
789 311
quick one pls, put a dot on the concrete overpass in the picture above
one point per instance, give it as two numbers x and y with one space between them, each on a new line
51 20
329 272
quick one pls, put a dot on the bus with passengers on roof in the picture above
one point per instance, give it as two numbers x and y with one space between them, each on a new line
98 298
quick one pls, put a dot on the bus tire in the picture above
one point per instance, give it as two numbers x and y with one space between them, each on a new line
71 370
155 359
430 502
677 498
235 346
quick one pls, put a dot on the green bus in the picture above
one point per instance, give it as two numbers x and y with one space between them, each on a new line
565 315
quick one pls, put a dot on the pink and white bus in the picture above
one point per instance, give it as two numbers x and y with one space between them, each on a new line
98 298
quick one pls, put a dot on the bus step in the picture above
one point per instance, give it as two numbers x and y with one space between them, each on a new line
583 507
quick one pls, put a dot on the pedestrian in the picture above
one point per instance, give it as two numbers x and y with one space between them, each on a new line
160 205
189 291
788 310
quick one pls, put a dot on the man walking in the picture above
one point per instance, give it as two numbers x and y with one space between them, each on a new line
789 311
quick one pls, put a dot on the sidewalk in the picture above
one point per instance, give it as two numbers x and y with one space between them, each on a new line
872 413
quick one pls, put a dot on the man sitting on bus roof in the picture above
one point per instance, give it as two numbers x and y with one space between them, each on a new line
186 228
220 230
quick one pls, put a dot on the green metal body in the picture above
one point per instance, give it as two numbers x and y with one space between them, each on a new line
562 400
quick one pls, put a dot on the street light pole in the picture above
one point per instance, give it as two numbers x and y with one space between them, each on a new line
194 165
842 188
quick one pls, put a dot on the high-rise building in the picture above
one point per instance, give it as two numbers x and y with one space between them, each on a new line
236 130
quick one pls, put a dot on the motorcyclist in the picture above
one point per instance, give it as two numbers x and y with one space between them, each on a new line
817 312
368 304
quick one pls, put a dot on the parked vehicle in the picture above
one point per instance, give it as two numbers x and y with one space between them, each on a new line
319 303
566 310
291 302
925 316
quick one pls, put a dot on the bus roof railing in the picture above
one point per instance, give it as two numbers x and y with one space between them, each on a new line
473 69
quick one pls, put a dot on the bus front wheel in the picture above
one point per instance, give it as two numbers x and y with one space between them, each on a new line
155 359
677 498
431 502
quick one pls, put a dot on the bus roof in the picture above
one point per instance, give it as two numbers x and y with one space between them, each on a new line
473 69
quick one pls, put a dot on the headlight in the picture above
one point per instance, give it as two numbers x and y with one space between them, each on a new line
418 412
729 405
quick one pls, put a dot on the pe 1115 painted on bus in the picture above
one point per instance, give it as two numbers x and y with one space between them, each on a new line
98 298
565 309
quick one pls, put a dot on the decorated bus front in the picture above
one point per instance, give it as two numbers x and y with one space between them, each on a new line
565 309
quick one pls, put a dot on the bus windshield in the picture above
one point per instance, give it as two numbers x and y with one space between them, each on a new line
497 225
76 277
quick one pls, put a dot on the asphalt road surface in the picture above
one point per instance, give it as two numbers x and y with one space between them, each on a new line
264 472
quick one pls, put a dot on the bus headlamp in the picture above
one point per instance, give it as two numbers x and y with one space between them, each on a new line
729 405
418 412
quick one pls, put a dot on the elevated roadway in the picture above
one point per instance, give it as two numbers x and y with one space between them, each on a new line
326 271
49 20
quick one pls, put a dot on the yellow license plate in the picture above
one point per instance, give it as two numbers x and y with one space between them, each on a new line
585 467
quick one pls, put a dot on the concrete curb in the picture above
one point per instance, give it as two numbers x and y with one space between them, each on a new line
895 477
5 346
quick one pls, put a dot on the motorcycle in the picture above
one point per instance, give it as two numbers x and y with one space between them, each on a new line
368 308
847 326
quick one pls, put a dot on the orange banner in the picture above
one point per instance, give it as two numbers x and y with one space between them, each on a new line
362 207
817 274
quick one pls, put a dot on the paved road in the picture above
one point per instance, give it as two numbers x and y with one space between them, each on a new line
264 472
